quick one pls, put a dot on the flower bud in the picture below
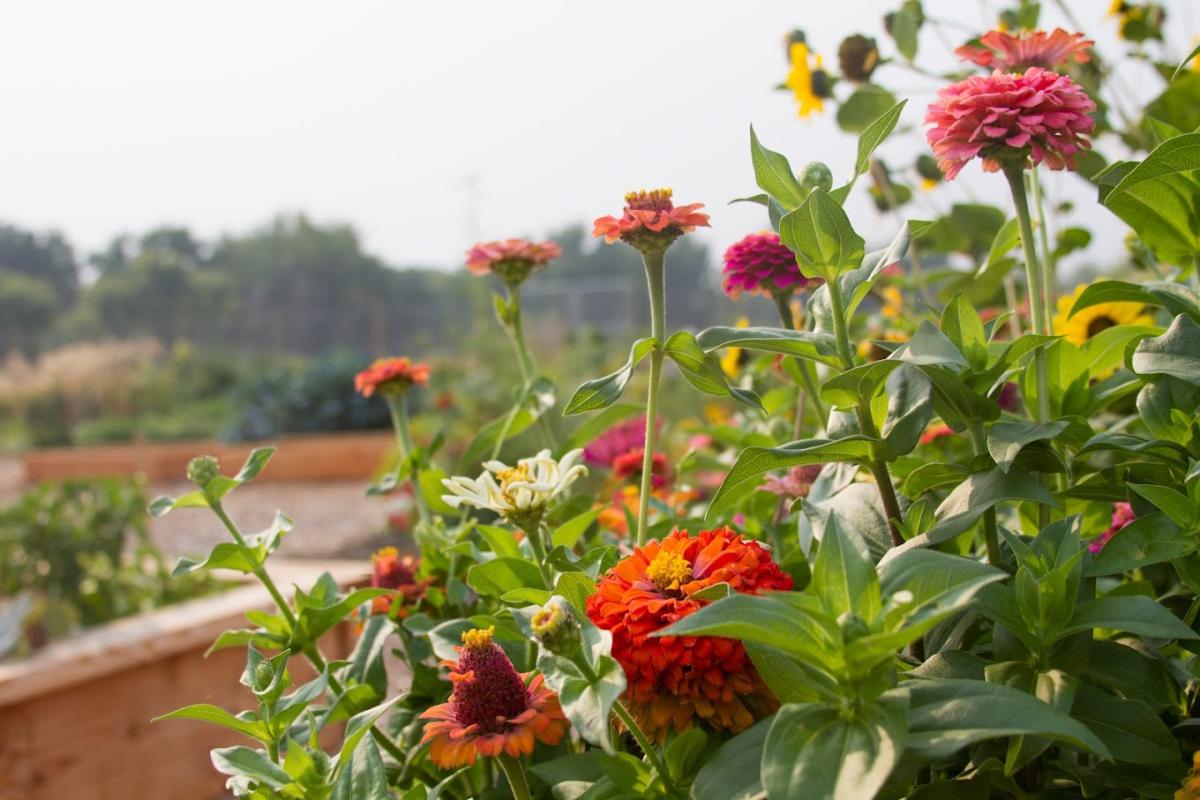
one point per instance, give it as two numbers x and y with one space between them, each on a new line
816 175
202 469
264 673
857 57
557 628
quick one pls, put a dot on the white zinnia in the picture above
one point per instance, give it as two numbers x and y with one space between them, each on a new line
522 491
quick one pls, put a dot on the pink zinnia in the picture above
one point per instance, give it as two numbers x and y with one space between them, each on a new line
760 264
1037 116
1013 53
628 465
650 220
1122 515
796 482
620 438
511 259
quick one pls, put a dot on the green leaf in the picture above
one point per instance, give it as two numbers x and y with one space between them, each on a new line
1105 351
733 772
164 504
906 24
600 392
843 576
930 574
1176 298
930 347
813 751
224 555
1186 63
869 107
494 578
774 175
569 533
216 715
253 764
946 715
1129 613
857 384
1158 199
587 705
683 753
501 540
363 777
963 327
1130 729
1006 438
1174 504
360 725
255 463
821 236
1175 353
753 462
813 346
979 492
1147 540
703 370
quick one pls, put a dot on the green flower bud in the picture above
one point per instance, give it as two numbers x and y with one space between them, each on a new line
264 673
816 175
556 627
853 627
202 469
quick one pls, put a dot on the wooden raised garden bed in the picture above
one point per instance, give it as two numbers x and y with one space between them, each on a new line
75 717
305 457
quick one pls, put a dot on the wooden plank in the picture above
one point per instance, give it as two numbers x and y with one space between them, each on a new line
80 727
352 455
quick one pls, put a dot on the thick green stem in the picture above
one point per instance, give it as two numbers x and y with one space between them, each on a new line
398 404
516 776
533 532
1049 281
877 464
655 285
807 373
516 330
1014 172
991 534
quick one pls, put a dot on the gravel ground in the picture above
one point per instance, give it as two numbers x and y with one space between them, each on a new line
332 520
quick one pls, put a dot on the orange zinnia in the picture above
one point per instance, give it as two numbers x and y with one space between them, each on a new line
391 571
677 680
391 376
650 221
513 260
491 709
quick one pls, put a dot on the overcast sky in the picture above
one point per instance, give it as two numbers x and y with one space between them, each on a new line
125 114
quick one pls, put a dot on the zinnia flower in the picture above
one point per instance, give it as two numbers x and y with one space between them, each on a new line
491 709
390 376
1019 52
650 221
523 492
935 432
512 260
1190 790
795 483
1033 117
1088 322
620 438
629 465
809 83
676 681
760 264
734 358
1122 515
391 571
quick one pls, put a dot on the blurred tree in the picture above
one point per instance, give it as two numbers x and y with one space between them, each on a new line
45 257
27 307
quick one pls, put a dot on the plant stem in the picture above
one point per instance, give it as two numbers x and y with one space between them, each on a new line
644 742
516 776
399 407
991 535
533 532
310 651
1049 281
807 374
655 280
516 329
877 464
1014 172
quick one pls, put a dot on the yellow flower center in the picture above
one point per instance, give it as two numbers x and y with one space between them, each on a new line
478 638
653 200
511 475
668 570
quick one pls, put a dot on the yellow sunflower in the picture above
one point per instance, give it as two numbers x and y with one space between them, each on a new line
1092 320
801 77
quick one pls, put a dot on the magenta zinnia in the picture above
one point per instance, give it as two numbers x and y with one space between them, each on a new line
760 264
1034 117
1016 52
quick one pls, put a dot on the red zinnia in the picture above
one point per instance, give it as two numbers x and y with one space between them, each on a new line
620 438
491 709
650 220
676 680
1014 53
1036 116
391 571
391 376
513 260
935 432
761 264
629 465
1122 515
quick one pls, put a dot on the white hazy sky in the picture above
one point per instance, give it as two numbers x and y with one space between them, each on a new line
125 114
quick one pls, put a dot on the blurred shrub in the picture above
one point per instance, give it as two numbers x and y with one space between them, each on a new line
78 554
